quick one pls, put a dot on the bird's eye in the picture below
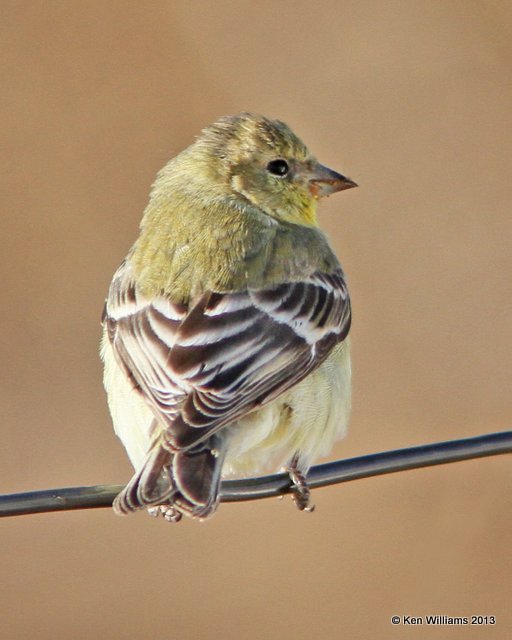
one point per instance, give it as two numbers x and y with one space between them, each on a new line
278 167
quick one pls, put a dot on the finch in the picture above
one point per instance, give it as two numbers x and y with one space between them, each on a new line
225 328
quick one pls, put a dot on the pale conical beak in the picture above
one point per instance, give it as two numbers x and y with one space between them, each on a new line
324 182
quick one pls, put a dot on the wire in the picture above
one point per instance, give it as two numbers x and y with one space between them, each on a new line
375 464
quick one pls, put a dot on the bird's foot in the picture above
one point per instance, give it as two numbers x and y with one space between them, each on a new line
301 493
167 511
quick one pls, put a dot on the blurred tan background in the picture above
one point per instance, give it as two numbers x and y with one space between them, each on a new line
411 99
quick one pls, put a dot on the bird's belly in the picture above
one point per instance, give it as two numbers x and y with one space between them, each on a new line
133 419
306 420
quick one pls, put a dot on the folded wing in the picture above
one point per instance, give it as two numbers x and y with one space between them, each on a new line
202 367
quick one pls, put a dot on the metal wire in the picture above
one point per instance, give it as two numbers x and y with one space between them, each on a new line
375 464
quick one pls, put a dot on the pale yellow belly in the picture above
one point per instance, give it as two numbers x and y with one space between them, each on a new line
307 419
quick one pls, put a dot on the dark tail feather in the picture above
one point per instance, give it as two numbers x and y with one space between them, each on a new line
188 480
151 485
196 474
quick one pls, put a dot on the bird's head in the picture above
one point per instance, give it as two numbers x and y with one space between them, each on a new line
264 162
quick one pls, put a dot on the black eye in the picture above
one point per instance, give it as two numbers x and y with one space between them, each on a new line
278 167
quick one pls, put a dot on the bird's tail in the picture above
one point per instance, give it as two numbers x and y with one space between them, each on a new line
186 481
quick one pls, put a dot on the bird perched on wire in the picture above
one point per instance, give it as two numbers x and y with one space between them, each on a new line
225 328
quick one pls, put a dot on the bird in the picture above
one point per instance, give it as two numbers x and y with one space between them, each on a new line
225 329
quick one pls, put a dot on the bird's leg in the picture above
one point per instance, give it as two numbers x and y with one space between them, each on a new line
300 490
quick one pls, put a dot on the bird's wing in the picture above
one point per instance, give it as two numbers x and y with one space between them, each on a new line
202 367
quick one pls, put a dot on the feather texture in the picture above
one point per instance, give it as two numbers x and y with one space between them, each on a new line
202 367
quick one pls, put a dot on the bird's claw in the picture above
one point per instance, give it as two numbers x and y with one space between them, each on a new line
301 493
167 511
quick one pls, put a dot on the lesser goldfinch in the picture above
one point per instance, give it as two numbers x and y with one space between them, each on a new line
225 327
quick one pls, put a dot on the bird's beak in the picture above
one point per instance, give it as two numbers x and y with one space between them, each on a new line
324 182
